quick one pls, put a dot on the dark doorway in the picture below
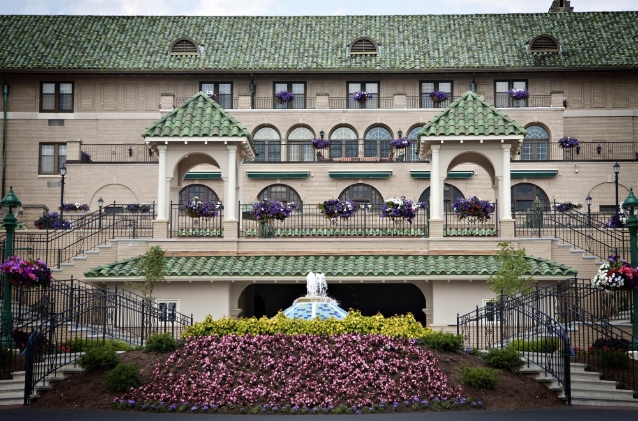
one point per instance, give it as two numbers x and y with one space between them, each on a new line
370 299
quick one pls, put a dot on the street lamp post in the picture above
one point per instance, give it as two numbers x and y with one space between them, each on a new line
616 209
631 204
63 174
100 204
9 202
588 201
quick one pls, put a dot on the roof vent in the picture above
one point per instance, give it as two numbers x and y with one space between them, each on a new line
364 46
184 47
544 44
560 6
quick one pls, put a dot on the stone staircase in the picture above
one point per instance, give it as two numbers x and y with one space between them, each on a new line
586 386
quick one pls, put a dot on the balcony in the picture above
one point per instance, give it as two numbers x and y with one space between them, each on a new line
117 153
539 150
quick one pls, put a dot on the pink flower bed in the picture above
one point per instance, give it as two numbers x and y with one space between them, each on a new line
301 370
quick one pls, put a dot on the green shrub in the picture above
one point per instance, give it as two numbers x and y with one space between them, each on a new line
405 326
504 359
98 358
123 377
444 341
542 345
161 342
612 358
481 378
83 344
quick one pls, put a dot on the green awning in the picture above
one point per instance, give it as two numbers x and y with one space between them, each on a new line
451 174
533 173
277 174
203 176
360 174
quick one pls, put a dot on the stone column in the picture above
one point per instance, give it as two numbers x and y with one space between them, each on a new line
230 205
162 196
436 195
505 211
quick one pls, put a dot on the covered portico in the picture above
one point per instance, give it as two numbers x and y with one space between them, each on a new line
470 130
199 132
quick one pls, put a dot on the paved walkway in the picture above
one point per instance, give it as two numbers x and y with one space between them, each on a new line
558 414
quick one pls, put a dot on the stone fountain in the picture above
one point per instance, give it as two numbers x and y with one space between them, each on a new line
316 303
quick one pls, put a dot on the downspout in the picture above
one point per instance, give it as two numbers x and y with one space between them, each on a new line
5 94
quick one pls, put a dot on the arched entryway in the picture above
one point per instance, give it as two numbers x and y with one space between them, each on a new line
388 299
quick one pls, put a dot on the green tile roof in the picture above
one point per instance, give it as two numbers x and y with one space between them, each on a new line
199 116
471 115
335 265
310 43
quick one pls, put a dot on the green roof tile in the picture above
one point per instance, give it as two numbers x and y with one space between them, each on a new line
310 43
198 111
337 265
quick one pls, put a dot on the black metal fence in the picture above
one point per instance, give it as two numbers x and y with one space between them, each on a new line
117 153
544 150
183 224
469 227
308 221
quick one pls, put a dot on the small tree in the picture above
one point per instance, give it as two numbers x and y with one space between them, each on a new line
510 277
153 266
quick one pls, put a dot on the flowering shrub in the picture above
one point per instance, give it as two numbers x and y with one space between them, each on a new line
211 94
361 96
567 206
267 210
74 207
617 221
472 208
320 143
138 207
284 369
401 142
616 273
205 209
439 96
568 142
395 326
335 208
52 221
397 209
28 273
518 94
284 96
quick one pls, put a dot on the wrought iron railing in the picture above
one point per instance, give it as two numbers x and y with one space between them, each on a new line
117 153
226 101
543 150
338 103
299 102
469 227
308 221
185 224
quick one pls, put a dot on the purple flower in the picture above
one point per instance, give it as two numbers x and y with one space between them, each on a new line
401 142
211 94
361 96
51 220
472 208
267 210
335 208
397 209
320 143
518 94
439 96
568 142
204 209
284 96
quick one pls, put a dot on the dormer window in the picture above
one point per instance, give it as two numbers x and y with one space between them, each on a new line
184 47
544 44
364 46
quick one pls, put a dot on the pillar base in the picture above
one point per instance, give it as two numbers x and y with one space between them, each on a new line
507 228
235 313
436 228
230 229
160 229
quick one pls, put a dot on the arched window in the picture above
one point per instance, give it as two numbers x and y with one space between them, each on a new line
184 47
204 193
377 142
299 146
524 194
536 144
343 142
544 44
282 193
412 155
450 194
364 46
362 194
268 144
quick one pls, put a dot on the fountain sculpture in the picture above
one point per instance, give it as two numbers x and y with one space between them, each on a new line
316 303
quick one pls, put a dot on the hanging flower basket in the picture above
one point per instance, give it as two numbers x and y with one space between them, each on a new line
284 97
567 206
568 142
27 273
211 94
335 208
616 274
401 209
518 94
362 96
439 96
203 209
52 220
473 209
138 207
270 210
74 207
401 143
320 143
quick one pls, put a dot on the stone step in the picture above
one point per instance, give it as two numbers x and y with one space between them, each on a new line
632 403
11 384
603 394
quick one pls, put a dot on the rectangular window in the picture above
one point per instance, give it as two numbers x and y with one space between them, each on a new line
370 87
433 86
223 92
167 310
300 152
502 98
56 97
534 150
298 90
380 148
52 157
268 150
